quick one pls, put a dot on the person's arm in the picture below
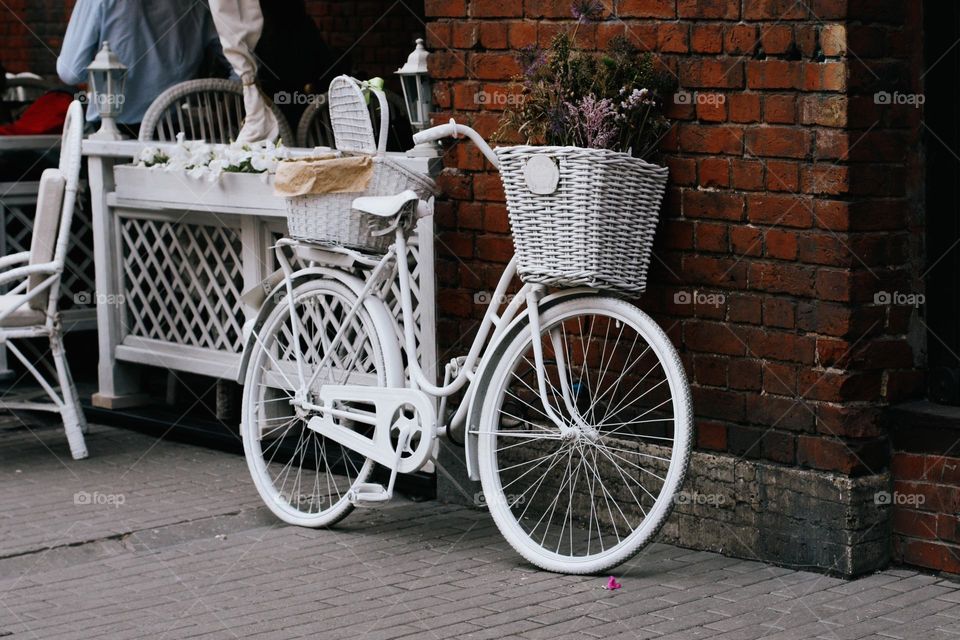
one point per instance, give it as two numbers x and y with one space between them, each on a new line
80 42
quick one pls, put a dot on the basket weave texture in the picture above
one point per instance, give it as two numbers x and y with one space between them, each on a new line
330 218
596 229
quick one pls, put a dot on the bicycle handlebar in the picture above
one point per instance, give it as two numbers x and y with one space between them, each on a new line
454 130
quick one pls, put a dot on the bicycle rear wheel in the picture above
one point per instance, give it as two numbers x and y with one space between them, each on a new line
590 496
302 476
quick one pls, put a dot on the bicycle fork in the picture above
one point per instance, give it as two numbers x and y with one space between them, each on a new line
567 430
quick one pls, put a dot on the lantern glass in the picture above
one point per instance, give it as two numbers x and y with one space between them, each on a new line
107 86
413 94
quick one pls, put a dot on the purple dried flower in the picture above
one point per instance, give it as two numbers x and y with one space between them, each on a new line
594 121
587 10
531 58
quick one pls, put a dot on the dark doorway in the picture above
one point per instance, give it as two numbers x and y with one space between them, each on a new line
942 119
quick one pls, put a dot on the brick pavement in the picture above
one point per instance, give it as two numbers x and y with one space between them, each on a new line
175 544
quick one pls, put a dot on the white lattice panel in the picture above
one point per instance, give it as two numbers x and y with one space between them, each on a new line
182 282
424 329
18 214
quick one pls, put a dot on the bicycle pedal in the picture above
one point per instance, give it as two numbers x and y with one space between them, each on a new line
369 494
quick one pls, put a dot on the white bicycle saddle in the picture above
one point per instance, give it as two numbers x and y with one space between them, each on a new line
385 206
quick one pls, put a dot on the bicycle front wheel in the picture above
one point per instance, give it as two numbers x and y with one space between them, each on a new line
587 496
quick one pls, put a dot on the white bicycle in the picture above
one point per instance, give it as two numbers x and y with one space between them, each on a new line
575 412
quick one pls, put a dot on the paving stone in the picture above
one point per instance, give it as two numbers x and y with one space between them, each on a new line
192 553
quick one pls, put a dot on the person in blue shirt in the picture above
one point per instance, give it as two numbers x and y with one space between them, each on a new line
162 43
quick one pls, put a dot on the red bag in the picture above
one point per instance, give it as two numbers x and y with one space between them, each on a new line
45 115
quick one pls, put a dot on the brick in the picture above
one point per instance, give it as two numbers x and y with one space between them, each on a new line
445 8
744 108
780 109
783 176
773 10
740 39
826 111
833 40
521 34
773 74
711 139
706 38
835 455
708 9
709 73
782 142
780 244
494 66
493 35
746 241
747 175
711 237
782 278
711 435
647 9
744 309
495 9
673 38
915 523
776 39
714 172
745 374
712 204
784 210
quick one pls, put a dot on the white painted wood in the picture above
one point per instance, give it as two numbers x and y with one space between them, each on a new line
255 191
35 142
211 242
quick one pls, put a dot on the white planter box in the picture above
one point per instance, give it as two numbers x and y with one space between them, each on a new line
230 191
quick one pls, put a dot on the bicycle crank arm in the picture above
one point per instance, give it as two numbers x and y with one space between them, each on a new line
403 410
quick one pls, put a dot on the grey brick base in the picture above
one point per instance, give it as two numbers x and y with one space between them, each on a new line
792 517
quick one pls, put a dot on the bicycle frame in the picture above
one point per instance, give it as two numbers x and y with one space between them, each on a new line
459 372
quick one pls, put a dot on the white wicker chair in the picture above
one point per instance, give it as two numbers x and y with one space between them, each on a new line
29 310
314 127
208 109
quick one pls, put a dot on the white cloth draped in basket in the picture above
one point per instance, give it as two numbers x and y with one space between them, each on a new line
239 24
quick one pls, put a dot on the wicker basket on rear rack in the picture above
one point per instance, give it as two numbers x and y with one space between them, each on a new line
330 218
582 217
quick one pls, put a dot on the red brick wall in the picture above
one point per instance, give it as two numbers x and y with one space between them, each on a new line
31 33
925 503
795 199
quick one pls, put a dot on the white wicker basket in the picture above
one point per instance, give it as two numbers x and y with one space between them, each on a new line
595 228
330 218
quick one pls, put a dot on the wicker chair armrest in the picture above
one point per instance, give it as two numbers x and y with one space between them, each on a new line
19 273
14 258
